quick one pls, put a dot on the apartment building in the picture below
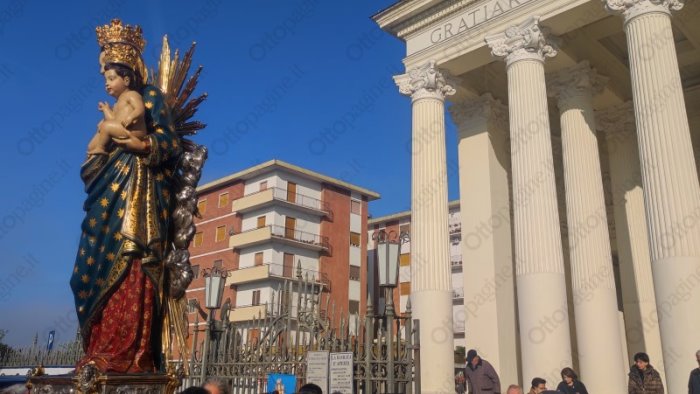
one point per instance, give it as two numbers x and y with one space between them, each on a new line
396 224
263 222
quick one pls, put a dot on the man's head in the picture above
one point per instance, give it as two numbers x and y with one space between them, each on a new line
216 386
539 385
194 390
310 388
641 360
514 389
472 357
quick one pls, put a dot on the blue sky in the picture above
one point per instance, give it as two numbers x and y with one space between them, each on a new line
308 82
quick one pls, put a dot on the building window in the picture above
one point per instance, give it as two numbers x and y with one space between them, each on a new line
290 224
259 258
355 207
354 307
405 259
195 271
254 335
202 206
405 288
223 200
405 228
263 185
354 239
287 265
191 305
256 297
291 192
218 264
284 301
220 233
198 239
261 221
354 272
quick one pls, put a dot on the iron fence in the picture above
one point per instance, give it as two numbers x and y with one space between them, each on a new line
297 320
66 354
278 341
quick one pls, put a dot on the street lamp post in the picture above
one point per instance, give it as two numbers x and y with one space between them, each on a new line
388 264
214 283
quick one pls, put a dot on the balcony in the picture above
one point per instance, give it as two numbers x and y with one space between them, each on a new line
275 271
249 312
458 293
280 234
455 229
272 195
246 313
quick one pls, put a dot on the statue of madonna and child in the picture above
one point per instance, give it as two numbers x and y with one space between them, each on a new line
132 265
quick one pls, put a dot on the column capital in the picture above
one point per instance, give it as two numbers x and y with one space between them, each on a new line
426 81
484 108
526 41
634 8
617 121
575 81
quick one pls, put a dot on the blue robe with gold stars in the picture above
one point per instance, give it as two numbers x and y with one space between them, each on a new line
127 214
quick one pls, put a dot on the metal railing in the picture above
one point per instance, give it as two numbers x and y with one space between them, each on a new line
300 236
299 199
282 271
64 355
243 354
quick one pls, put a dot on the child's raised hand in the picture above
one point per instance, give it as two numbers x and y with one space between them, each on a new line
103 106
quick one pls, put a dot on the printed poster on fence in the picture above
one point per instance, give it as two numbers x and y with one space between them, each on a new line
341 373
282 383
317 369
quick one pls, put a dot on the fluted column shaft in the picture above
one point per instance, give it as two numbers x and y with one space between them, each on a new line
669 175
541 287
593 284
431 292
489 289
639 303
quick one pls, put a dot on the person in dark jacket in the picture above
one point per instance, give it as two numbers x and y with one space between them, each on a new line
538 386
570 384
480 375
643 378
694 381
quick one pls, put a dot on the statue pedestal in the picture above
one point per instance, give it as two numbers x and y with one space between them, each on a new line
91 381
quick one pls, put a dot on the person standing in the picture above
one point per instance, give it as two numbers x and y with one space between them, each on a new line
480 375
570 384
216 386
514 389
694 381
643 378
539 385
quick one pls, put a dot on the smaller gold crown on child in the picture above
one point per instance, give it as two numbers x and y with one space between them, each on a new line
121 43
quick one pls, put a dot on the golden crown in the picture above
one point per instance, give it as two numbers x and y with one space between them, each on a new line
121 44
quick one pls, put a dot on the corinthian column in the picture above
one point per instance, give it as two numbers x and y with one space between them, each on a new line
489 291
592 276
539 266
431 293
639 304
669 176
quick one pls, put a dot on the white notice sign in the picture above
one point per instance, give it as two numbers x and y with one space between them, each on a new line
317 369
341 373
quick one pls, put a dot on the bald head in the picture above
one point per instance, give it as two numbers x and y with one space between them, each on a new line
514 389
